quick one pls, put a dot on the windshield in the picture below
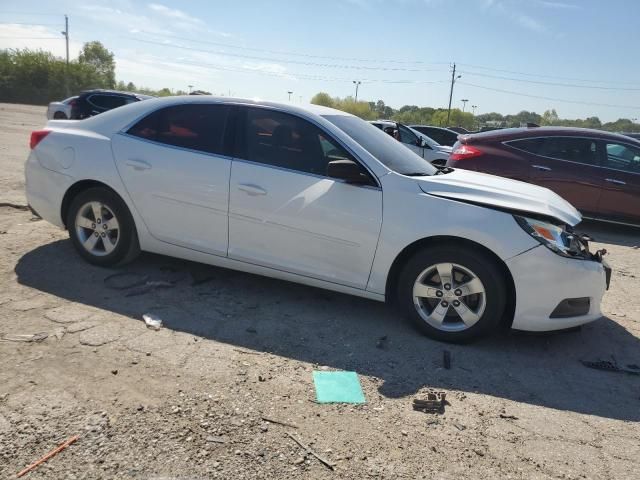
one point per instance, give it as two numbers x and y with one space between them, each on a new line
385 148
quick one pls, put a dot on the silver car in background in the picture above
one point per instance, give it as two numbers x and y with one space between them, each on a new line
60 110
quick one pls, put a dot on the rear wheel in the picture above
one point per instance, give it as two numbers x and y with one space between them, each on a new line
452 294
101 228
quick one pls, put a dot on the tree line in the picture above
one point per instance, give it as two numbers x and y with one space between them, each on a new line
39 77
415 115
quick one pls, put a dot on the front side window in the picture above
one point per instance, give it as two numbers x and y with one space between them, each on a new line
286 141
192 126
581 150
407 136
623 157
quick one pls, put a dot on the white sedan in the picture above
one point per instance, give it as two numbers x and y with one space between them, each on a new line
315 196
60 110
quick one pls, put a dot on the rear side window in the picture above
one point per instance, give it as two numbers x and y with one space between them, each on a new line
406 136
107 102
196 127
529 145
580 150
623 157
286 141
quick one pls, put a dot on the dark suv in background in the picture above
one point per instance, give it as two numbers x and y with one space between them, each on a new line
93 102
596 171
443 136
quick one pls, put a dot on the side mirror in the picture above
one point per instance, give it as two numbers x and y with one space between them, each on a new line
349 171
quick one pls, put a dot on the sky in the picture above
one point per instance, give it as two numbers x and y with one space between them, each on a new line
577 56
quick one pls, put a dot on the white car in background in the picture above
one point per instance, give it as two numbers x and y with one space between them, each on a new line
320 197
60 110
417 142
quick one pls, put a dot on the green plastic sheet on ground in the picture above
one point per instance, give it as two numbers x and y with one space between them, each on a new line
338 387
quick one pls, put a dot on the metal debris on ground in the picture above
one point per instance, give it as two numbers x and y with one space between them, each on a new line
446 359
508 417
279 422
152 321
148 286
125 280
52 453
330 465
608 366
433 403
30 337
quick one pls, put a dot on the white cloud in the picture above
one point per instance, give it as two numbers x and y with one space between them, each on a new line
529 23
560 5
173 13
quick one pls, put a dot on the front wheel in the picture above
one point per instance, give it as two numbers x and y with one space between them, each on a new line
101 228
453 294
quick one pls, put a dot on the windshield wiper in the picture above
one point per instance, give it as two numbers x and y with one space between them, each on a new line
417 174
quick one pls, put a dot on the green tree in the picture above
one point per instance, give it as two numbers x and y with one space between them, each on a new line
323 99
549 117
96 55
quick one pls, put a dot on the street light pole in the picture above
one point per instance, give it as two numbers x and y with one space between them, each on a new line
357 84
289 92
464 103
474 109
190 87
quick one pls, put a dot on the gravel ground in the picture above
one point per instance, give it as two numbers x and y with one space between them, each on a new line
188 401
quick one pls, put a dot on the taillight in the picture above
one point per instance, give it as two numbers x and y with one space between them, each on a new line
464 152
37 136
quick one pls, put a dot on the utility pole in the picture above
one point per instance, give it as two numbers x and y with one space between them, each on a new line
357 84
66 37
453 81
464 103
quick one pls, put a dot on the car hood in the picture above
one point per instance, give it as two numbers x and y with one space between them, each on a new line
493 191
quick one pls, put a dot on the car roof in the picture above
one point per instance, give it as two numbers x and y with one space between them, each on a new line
117 118
533 132
117 92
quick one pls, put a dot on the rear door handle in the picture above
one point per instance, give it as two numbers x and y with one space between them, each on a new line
138 164
613 180
251 189
542 168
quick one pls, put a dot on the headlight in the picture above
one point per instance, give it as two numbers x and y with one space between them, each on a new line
552 236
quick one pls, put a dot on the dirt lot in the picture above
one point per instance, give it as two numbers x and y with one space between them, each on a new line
187 401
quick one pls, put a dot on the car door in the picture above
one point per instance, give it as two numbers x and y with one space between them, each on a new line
174 167
620 200
285 213
569 166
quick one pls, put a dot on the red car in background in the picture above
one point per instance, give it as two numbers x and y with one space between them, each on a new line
598 172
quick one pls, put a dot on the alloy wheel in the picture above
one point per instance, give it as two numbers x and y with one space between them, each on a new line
97 228
449 297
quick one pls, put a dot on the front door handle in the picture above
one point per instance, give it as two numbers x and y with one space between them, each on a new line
138 164
251 189
541 168
613 180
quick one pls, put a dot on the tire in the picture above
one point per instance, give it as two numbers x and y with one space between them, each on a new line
482 311
59 116
108 240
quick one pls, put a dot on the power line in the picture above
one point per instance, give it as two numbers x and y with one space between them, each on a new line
299 54
32 24
302 76
543 76
538 82
297 62
576 102
29 38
